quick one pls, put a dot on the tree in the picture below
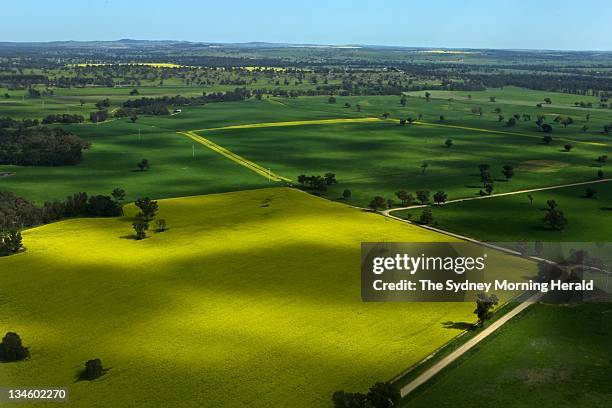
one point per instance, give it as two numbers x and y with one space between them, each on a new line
530 198
161 225
511 122
491 99
423 196
140 227
590 192
10 242
547 101
378 203
567 147
546 128
12 349
489 188
343 399
133 118
427 96
508 171
404 196
484 306
403 100
555 217
302 178
600 174
383 395
440 197
330 178
358 107
567 121
584 128
601 160
441 118
424 167
426 216
449 142
118 194
147 207
385 115
144 165
93 369
133 92
331 99
547 139
346 194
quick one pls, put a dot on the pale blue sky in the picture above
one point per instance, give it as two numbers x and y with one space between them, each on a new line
558 24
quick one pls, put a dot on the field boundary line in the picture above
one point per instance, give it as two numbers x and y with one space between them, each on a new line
503 132
254 167
292 123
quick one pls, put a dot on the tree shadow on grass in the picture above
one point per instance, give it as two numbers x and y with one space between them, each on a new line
458 325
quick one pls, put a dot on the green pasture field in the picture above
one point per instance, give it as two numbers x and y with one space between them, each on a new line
514 218
380 158
249 298
549 356
370 159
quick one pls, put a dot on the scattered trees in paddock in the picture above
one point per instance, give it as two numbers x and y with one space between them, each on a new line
554 217
93 369
423 196
11 242
590 192
405 197
484 307
601 160
148 208
426 216
12 349
378 203
63 118
330 178
40 146
99 116
161 225
380 395
508 171
143 165
317 182
140 228
440 197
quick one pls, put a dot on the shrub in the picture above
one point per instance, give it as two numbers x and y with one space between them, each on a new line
93 369
11 348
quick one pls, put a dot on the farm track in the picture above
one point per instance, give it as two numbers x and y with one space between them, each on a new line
485 197
254 167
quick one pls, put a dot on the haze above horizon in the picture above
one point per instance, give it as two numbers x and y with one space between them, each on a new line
494 24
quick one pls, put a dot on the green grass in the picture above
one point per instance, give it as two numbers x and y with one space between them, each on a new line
549 356
382 157
250 298
513 218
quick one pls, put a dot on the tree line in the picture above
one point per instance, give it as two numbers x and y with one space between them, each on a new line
40 146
